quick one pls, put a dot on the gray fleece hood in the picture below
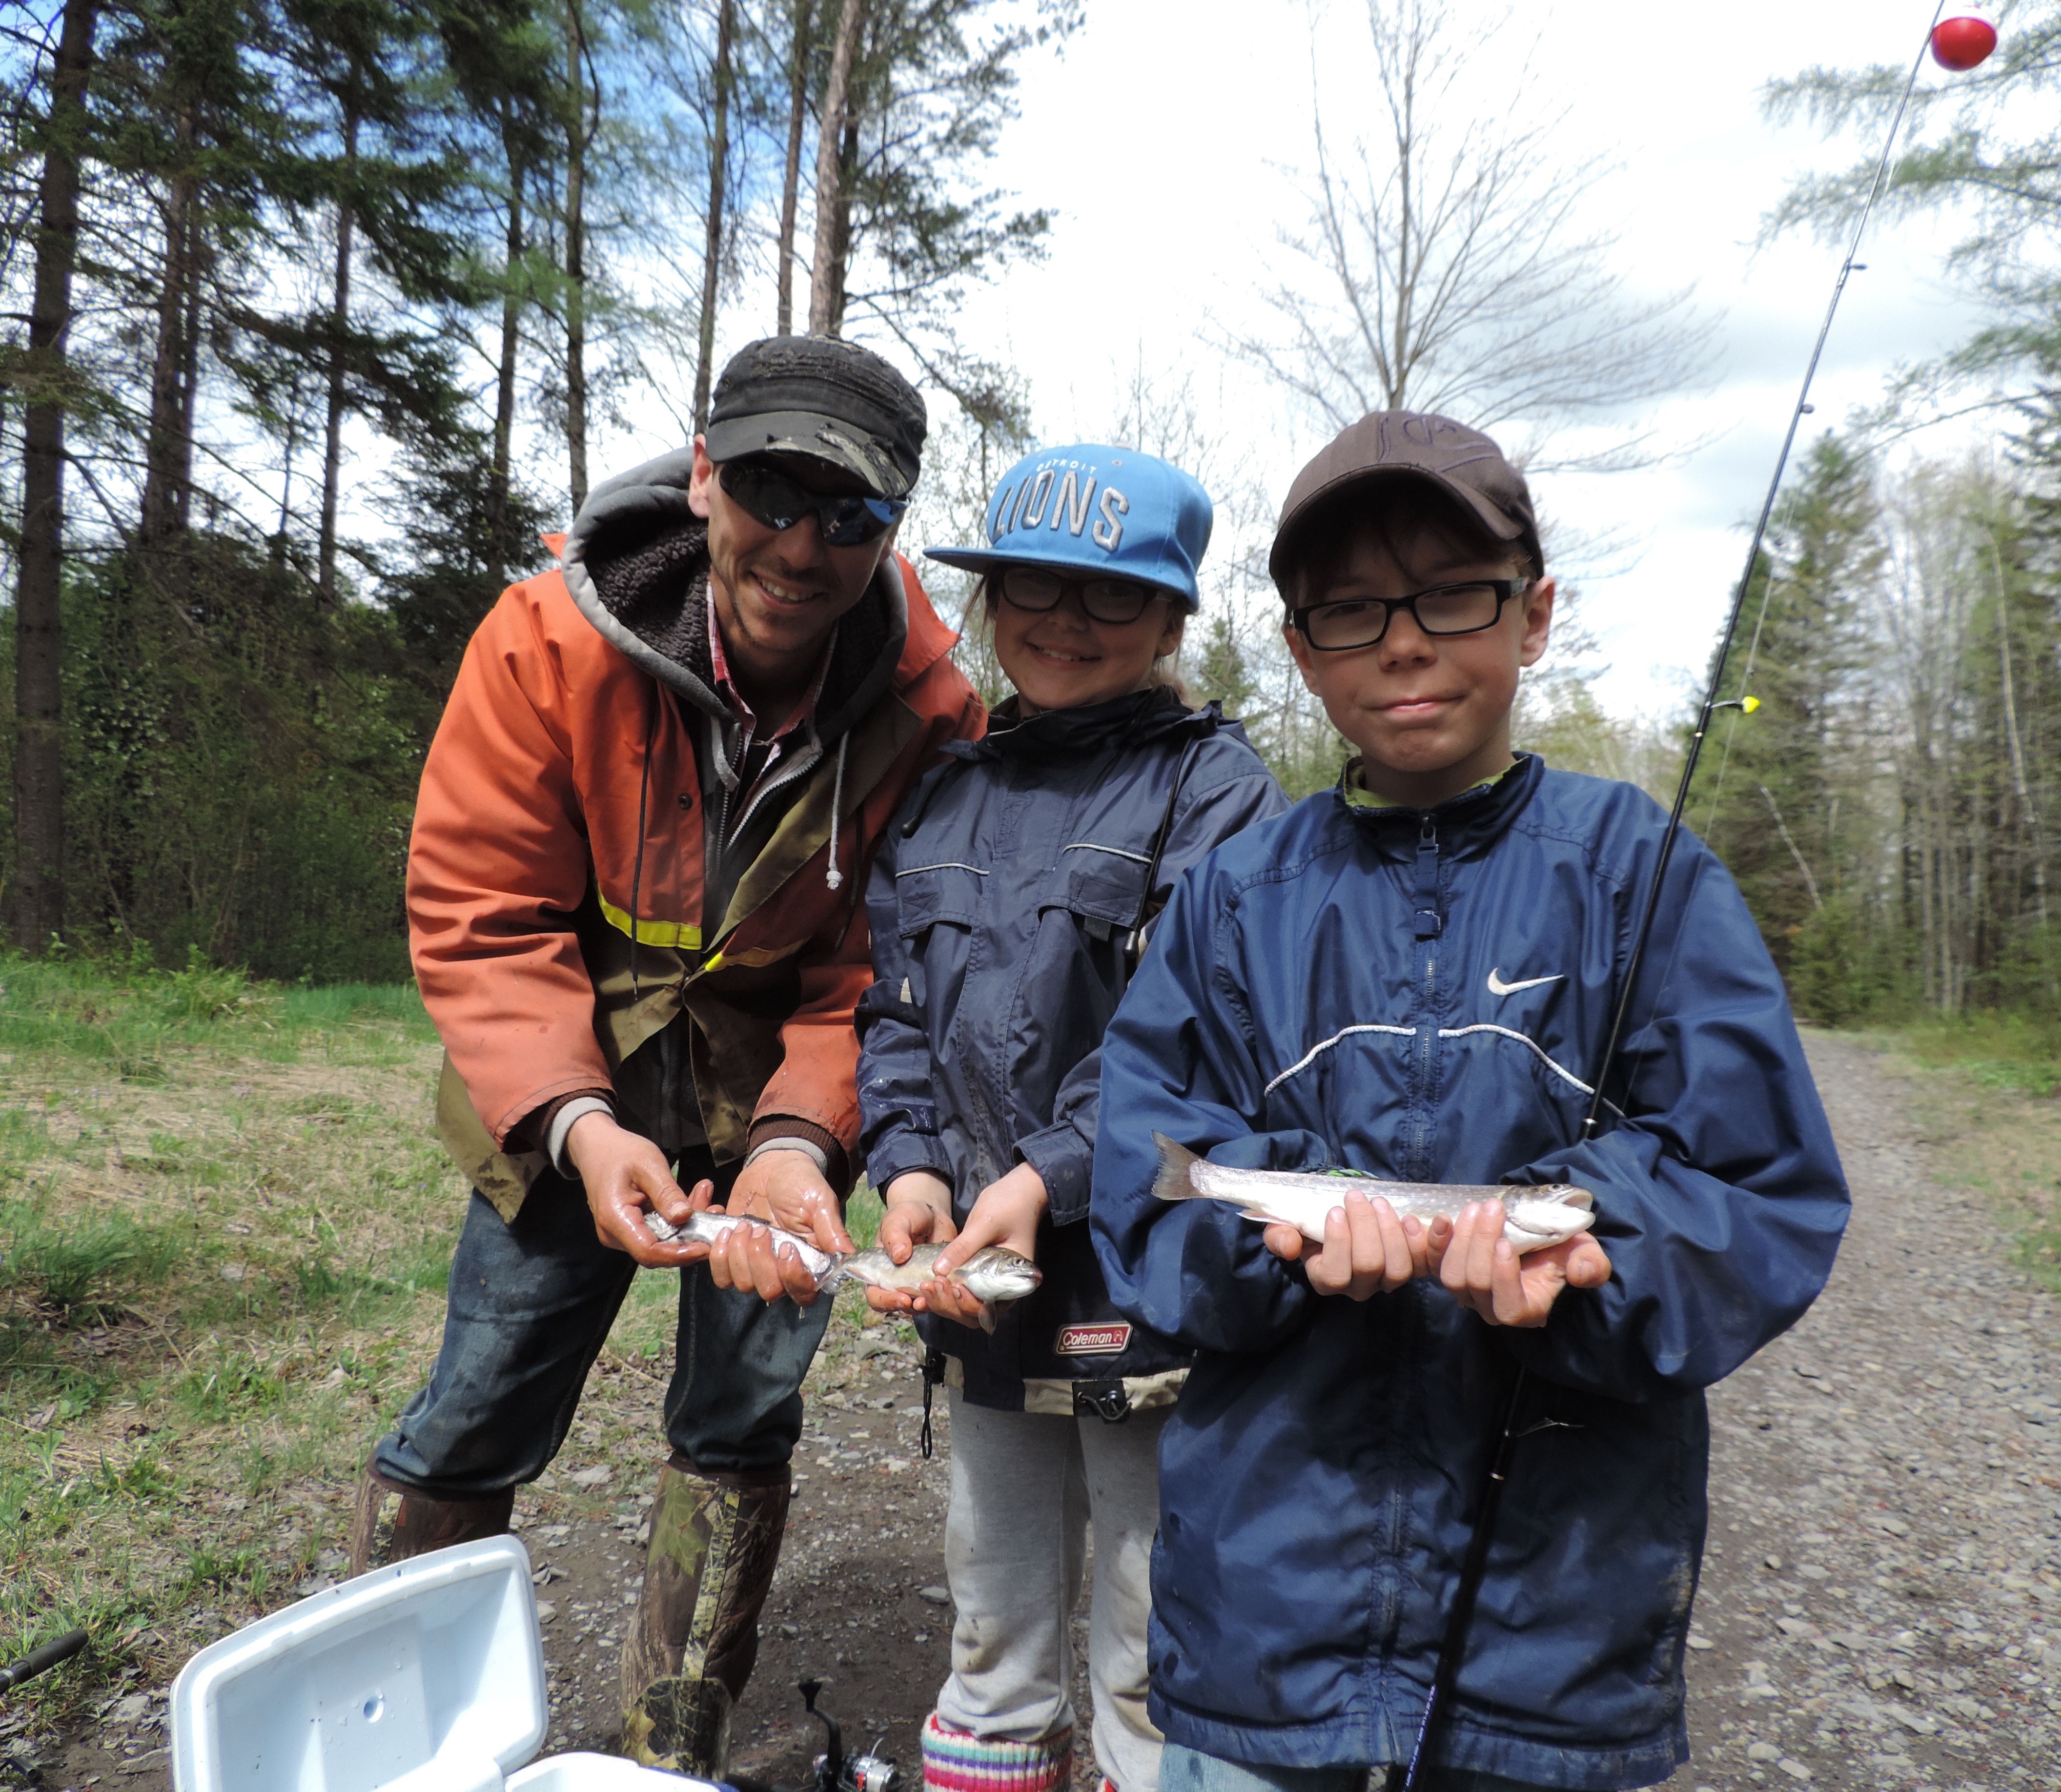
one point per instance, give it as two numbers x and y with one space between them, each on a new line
636 563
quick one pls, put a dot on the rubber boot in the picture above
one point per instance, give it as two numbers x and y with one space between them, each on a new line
715 1541
957 1761
394 1523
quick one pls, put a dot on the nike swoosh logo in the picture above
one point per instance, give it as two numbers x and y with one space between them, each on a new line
1497 986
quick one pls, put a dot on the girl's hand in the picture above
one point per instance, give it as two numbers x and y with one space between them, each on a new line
1366 1249
1006 1213
1482 1270
919 1212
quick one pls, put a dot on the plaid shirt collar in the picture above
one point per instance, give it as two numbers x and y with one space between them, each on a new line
804 716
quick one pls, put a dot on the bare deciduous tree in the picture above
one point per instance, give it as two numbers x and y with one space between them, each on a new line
1447 265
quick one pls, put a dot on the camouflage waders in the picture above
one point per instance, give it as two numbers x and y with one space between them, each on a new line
715 1541
392 1523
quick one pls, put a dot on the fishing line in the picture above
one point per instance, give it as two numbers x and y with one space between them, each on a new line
1403 1776
1802 409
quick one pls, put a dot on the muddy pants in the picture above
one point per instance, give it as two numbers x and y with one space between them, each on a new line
530 1305
1024 1487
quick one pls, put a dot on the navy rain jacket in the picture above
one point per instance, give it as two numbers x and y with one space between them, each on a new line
1424 995
999 904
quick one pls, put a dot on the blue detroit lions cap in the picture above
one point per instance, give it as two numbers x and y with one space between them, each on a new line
1108 512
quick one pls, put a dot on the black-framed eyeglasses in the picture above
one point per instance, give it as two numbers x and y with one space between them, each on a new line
1350 622
1102 600
769 497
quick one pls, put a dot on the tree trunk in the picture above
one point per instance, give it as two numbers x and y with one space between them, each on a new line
164 454
827 274
719 181
504 403
339 323
840 232
790 180
576 257
39 785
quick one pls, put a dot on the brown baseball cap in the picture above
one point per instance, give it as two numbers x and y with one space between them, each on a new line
1412 445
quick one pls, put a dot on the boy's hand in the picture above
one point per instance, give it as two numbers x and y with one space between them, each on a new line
1482 1270
1006 1212
919 1212
785 1189
1366 1249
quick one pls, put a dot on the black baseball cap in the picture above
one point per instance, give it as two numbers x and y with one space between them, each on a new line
1417 446
830 400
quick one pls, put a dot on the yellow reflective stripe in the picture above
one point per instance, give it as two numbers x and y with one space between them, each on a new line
677 935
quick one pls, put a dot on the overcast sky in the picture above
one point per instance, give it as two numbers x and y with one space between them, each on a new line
1168 139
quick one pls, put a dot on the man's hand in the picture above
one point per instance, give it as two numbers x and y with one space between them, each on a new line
1482 1270
625 1175
785 1190
1366 1249
919 1212
1006 1212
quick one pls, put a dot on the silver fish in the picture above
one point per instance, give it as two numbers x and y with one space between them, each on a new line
1532 1218
708 1229
993 1273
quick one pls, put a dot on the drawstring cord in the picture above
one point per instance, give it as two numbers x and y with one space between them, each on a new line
834 877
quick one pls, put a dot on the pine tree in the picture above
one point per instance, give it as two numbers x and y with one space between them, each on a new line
1765 797
45 374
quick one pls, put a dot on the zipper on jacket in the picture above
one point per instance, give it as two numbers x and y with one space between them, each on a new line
1430 924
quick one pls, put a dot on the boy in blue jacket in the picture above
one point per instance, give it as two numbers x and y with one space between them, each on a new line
1412 976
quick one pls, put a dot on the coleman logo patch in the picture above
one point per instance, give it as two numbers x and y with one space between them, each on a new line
1092 1341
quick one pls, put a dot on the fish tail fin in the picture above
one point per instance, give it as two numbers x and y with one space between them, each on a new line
1174 1183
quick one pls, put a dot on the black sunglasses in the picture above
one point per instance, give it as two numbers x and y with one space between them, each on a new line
1102 600
1467 609
769 497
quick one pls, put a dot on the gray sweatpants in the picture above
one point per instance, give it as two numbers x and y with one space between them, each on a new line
1024 1487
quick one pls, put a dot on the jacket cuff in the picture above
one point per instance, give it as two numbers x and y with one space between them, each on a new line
836 1160
902 1152
533 1131
560 1129
1065 1163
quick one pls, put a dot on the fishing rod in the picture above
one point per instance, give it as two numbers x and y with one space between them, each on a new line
1957 45
42 1660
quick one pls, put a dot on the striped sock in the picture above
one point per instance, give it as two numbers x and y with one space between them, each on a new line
956 1761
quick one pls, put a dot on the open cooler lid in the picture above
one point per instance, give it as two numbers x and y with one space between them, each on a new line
429 1674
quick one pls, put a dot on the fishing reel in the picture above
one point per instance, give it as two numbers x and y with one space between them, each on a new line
837 1771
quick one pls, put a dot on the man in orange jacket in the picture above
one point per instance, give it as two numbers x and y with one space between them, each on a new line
635 906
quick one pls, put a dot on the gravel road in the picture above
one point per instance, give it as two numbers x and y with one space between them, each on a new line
1881 1604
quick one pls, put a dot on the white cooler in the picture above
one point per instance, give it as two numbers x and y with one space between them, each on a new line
425 1676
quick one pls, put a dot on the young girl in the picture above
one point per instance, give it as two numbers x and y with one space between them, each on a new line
1009 904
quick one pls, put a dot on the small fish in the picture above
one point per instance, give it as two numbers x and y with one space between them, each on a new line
1533 1217
706 1228
992 1275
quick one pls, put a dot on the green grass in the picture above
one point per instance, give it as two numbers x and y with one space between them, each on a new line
225 1226
1985 1098
1998 1051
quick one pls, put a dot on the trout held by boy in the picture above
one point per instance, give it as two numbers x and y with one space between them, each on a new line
1533 1217
993 1274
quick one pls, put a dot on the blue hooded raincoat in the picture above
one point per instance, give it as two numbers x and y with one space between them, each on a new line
1424 996
1000 904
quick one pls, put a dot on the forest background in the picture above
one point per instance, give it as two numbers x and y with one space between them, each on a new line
315 314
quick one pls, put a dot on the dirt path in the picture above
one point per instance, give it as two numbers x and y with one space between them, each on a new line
1881 1605
1878 1606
